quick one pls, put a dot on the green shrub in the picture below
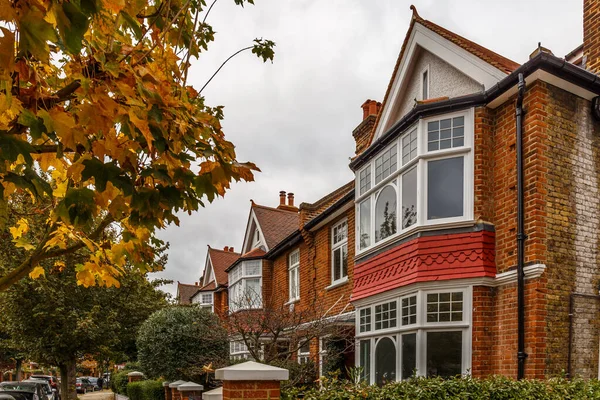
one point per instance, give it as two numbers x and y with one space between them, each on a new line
146 390
118 382
135 390
153 390
459 388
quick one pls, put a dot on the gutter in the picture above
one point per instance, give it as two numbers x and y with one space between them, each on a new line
544 61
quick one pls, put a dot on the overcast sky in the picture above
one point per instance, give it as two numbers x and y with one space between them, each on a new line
294 118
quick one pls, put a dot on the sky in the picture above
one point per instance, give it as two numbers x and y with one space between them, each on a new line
294 117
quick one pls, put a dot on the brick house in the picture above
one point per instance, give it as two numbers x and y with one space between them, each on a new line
297 260
435 279
212 291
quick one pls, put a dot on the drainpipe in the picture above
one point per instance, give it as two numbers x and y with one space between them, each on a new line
521 237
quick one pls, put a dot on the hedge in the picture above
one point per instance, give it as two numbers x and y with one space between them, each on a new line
118 382
459 388
146 390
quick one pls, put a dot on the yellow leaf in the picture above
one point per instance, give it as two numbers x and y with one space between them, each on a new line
142 125
21 228
37 272
60 265
61 182
85 277
10 107
63 126
23 243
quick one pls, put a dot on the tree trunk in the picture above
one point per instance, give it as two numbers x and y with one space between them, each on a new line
18 367
67 381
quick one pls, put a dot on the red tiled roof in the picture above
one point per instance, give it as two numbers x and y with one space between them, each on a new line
254 253
185 292
221 260
502 63
430 258
210 286
275 224
310 211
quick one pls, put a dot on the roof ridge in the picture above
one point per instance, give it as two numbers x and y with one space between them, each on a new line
313 206
273 208
223 251
187 284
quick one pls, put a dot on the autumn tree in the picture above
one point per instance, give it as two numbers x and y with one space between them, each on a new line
97 119
56 322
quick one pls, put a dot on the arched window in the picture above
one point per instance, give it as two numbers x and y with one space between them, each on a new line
385 213
385 361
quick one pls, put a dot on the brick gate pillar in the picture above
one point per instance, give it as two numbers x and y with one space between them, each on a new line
252 381
134 376
175 395
190 391
168 395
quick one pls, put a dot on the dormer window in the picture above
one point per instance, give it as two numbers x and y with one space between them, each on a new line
245 286
427 182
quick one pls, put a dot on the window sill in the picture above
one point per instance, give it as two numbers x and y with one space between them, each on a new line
293 301
337 283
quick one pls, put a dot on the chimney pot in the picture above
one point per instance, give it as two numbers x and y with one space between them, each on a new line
290 199
370 107
231 249
226 248
282 198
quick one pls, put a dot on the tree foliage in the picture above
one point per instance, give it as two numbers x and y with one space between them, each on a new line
96 118
178 342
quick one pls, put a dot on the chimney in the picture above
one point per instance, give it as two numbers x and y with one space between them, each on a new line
290 204
362 132
231 250
226 248
282 198
591 35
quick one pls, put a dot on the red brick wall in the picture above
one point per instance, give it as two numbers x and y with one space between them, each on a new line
255 390
591 34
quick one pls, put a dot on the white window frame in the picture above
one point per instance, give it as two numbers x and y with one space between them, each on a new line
256 239
303 357
238 350
421 328
238 282
207 305
421 163
294 270
335 247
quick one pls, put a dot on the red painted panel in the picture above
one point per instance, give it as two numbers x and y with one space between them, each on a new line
431 258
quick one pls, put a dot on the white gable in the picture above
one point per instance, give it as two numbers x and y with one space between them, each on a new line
209 275
423 41
253 231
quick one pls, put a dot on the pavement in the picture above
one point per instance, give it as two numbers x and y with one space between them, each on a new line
101 395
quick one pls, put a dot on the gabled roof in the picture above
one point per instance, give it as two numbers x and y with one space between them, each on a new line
492 58
309 211
185 292
220 261
254 253
275 224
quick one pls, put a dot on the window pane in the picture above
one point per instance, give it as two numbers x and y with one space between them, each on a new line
252 268
337 264
409 198
409 355
409 310
425 85
385 214
365 360
386 164
444 354
445 134
365 179
365 223
409 146
344 260
385 361
365 320
444 307
253 293
445 183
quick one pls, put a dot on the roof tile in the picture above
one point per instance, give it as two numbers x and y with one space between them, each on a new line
275 224
221 260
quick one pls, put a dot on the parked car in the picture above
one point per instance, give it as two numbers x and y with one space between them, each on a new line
24 390
53 380
94 382
83 385
47 389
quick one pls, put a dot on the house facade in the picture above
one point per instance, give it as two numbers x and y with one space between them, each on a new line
435 279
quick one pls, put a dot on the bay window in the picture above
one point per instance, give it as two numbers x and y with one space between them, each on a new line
432 337
206 301
245 285
427 182
339 252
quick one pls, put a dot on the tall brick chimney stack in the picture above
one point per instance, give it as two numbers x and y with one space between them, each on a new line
362 132
591 35
290 204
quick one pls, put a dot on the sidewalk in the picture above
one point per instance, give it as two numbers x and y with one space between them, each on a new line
102 395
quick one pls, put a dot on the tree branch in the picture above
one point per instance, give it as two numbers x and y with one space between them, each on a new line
222 65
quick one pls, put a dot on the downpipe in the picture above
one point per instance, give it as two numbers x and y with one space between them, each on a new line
521 237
